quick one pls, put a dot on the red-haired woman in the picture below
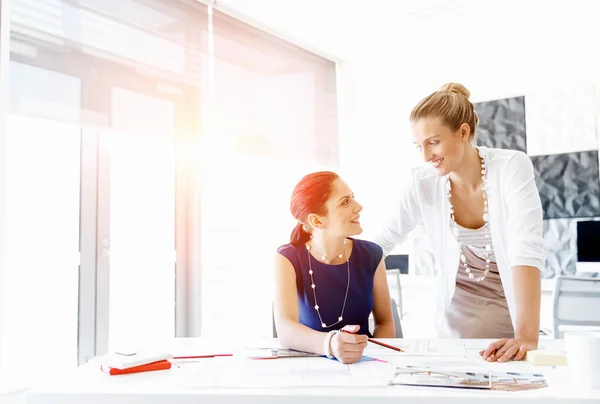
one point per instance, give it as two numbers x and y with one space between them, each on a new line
326 280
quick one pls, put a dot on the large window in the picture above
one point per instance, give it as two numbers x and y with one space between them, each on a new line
101 94
153 146
42 221
142 219
42 236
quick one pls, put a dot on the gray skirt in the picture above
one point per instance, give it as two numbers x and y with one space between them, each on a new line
478 309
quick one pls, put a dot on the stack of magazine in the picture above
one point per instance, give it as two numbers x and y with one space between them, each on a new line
439 377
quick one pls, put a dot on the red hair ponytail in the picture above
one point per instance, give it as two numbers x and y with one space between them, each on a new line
309 196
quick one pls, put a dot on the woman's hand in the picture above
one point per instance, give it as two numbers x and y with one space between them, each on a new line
504 349
348 346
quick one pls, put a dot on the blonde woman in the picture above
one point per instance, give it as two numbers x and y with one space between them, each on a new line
483 214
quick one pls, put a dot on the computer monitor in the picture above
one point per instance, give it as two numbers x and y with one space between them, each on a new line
588 246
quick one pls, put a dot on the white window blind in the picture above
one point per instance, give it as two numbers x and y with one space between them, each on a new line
270 118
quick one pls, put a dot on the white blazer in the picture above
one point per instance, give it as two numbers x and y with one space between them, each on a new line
515 222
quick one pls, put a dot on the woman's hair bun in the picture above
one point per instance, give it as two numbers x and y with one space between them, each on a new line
456 88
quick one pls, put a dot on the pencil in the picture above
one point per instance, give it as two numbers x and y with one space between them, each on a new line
395 348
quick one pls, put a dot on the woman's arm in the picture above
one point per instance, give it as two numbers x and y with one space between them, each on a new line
527 283
526 257
347 347
525 244
382 307
527 286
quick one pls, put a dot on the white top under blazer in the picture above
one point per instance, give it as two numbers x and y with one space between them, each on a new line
515 222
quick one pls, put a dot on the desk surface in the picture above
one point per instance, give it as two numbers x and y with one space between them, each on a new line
87 384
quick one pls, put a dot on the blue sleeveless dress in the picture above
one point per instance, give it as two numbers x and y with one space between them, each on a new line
331 282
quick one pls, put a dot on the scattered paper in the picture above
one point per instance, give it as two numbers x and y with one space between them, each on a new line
377 369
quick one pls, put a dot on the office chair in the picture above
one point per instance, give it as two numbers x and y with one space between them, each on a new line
397 264
397 316
576 302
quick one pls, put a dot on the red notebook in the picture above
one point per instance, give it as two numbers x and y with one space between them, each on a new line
160 365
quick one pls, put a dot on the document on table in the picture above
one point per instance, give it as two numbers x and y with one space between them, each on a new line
239 371
457 363
424 347
279 373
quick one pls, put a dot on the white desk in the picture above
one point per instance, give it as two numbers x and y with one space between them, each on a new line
89 385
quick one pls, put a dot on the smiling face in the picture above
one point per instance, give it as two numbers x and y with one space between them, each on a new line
439 145
343 211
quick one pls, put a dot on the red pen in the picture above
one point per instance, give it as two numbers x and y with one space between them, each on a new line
395 348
